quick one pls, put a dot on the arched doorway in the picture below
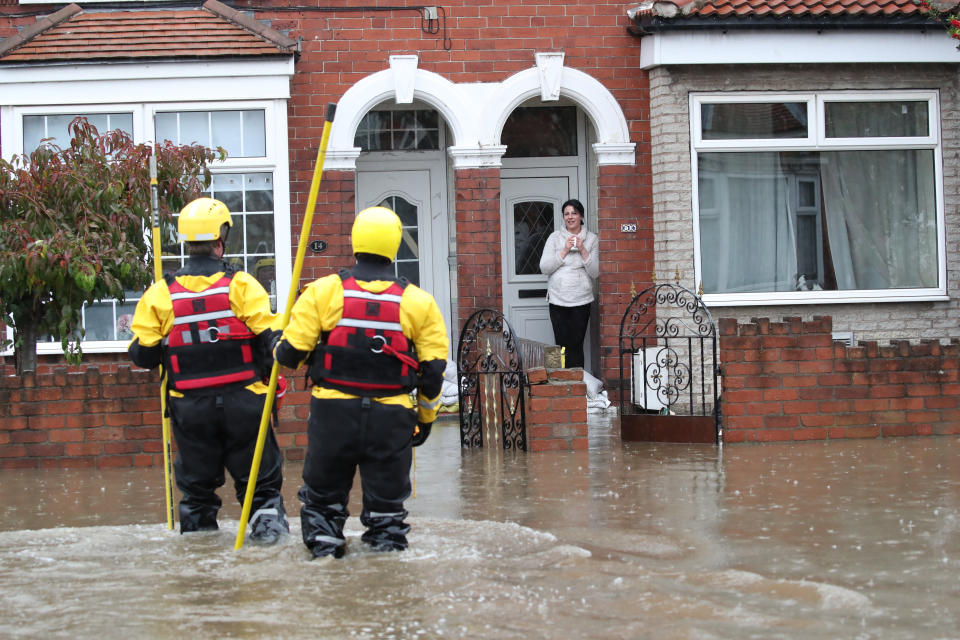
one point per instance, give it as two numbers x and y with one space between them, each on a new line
545 163
401 165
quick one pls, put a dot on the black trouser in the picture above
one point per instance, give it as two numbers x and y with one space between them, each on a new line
220 430
344 435
569 329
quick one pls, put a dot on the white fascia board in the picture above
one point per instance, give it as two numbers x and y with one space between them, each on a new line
161 82
796 47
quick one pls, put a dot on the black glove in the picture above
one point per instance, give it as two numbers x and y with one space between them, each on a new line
422 433
273 339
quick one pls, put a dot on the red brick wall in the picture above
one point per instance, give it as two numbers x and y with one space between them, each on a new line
110 418
478 241
556 410
488 42
789 381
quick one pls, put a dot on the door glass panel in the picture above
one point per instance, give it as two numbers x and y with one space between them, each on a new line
532 224
407 263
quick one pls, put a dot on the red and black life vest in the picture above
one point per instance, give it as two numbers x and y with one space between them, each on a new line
208 346
366 354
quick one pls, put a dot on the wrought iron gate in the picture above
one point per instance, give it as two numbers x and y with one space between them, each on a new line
669 371
491 382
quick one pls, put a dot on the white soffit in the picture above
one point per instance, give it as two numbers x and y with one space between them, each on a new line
796 47
148 82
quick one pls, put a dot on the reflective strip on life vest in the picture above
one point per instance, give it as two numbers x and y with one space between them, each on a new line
186 295
202 317
369 295
370 324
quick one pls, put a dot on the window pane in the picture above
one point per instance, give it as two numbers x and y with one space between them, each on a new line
254 134
540 132
228 188
409 270
259 233
398 130
875 228
194 128
227 132
37 127
166 127
876 119
753 120
409 245
259 192
98 321
34 128
881 218
265 271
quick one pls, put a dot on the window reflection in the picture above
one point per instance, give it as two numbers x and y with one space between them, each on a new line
540 132
399 130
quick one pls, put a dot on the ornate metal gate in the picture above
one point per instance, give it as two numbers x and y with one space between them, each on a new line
491 383
669 372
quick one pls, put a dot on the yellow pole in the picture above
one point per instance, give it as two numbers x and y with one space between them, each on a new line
164 420
291 295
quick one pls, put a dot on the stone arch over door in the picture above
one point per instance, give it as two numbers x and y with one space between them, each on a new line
476 112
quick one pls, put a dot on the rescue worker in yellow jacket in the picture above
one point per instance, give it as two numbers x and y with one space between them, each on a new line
210 327
370 338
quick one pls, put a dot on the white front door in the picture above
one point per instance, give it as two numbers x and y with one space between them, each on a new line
415 191
530 202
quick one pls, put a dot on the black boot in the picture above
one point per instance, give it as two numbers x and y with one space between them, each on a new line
322 527
197 517
385 531
269 523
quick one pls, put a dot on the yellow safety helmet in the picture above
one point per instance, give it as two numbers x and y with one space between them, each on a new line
202 219
377 230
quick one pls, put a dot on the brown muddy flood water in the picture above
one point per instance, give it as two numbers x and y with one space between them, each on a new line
838 540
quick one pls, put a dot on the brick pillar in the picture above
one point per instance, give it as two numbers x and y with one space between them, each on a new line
556 410
478 241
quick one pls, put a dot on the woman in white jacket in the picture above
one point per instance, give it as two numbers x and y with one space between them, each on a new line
571 258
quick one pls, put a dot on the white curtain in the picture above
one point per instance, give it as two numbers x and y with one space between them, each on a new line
881 218
749 244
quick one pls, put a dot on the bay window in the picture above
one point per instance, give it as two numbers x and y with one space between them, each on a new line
246 182
821 197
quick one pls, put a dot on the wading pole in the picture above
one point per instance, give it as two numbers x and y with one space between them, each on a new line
291 296
164 419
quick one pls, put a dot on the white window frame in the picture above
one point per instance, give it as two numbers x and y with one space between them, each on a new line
816 140
275 161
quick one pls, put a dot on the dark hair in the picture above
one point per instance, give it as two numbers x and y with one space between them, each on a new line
207 247
576 204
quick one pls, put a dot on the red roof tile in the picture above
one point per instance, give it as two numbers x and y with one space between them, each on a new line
76 35
783 8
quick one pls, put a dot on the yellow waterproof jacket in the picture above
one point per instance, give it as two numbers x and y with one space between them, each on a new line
320 307
153 318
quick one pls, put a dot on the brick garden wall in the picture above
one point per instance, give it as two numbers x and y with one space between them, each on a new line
790 381
110 418
782 381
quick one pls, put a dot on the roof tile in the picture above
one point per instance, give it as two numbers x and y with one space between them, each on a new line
746 8
213 31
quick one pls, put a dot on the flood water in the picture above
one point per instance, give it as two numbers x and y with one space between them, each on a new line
837 540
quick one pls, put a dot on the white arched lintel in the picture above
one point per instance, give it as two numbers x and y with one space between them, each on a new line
429 87
613 136
476 113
